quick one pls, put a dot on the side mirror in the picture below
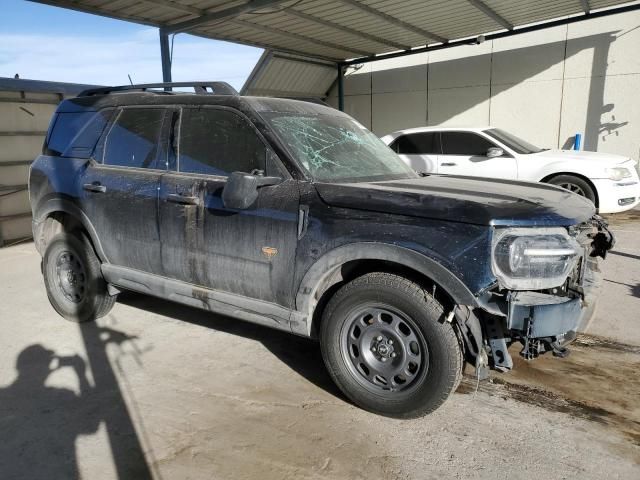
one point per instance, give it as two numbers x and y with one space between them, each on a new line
241 190
494 152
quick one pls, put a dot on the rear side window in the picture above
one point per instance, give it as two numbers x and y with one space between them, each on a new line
134 139
465 143
65 128
218 142
417 144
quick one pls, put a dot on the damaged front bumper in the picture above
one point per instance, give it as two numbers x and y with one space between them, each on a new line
546 321
542 321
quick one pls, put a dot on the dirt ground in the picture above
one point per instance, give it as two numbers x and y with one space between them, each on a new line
158 390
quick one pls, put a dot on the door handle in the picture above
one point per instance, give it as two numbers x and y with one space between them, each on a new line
448 164
94 187
183 199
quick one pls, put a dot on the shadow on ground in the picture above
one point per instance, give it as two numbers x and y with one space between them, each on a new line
40 424
300 354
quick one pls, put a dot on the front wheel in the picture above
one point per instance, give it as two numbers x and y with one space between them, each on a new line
388 347
73 279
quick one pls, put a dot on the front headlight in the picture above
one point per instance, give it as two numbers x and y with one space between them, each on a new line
618 173
533 258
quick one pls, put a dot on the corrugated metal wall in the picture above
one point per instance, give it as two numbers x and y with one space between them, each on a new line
26 107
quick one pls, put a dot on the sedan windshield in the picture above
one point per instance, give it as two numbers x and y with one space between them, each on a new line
337 148
514 143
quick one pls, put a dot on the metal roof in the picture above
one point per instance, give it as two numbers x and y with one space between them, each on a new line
337 30
279 75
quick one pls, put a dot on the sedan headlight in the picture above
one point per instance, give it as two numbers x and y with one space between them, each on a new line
618 173
533 259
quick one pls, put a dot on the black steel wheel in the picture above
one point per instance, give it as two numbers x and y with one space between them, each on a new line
73 279
387 346
386 350
71 276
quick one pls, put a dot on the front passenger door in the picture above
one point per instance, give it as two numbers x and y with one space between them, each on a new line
465 153
246 252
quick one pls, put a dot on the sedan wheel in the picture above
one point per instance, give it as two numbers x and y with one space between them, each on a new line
575 184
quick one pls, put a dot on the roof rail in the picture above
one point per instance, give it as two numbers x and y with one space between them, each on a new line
200 88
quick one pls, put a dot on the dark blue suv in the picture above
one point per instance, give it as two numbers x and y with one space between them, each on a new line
292 215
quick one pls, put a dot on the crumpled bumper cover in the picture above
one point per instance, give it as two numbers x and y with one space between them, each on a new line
544 315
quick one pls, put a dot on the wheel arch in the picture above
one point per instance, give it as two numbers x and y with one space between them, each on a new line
67 214
347 262
551 176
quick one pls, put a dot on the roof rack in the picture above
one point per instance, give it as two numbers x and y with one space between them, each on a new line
199 88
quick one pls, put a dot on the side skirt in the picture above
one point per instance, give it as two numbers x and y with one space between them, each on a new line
224 303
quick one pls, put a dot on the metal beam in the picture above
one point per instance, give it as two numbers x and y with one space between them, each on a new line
494 36
179 7
307 61
586 8
342 28
394 20
266 46
15 163
297 36
491 13
341 88
26 133
221 15
165 56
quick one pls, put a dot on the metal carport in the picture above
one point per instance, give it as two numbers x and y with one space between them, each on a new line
312 40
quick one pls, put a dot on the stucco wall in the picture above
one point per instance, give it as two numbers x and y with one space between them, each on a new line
544 86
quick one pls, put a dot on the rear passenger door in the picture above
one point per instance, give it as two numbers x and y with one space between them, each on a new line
245 252
120 188
419 150
465 153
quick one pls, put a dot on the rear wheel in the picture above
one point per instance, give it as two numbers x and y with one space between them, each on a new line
386 344
576 185
73 279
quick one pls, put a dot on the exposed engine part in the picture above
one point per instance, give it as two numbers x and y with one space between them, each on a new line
532 348
497 337
472 334
603 240
558 351
482 365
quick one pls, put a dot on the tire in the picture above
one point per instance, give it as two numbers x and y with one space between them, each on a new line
73 279
427 365
576 185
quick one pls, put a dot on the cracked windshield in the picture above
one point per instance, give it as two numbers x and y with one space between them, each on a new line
336 148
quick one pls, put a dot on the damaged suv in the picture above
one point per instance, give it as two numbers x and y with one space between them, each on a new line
293 215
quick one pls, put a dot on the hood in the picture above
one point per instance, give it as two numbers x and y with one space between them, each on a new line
463 199
603 159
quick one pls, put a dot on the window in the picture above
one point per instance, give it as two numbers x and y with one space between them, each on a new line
83 144
75 134
217 142
426 143
134 139
465 143
513 142
337 148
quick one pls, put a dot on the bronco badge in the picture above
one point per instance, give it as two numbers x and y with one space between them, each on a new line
269 252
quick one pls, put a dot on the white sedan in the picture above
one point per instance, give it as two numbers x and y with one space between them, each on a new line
609 181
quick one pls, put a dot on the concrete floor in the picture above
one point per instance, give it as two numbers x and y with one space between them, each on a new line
157 390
